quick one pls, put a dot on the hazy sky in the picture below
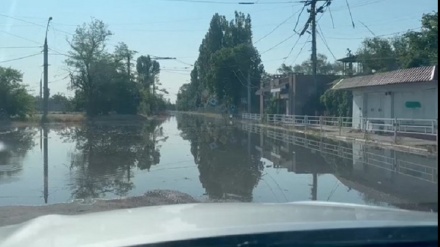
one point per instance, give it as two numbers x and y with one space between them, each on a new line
176 29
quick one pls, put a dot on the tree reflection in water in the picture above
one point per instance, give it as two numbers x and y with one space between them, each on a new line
15 144
229 168
106 153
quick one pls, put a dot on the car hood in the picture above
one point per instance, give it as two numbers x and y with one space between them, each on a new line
188 221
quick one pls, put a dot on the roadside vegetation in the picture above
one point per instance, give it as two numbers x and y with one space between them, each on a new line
120 81
103 82
227 57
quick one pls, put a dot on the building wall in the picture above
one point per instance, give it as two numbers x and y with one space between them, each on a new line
396 101
305 93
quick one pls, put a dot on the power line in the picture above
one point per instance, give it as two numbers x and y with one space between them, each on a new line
349 11
275 46
293 47
326 45
274 29
18 19
20 37
331 16
19 47
321 35
367 28
67 76
297 21
381 35
302 48
233 3
33 23
19 58
183 62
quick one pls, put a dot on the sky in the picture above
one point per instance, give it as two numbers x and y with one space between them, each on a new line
175 28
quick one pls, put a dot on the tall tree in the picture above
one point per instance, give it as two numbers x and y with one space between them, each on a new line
88 58
226 59
148 71
124 56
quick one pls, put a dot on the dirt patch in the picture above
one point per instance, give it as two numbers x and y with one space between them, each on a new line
10 215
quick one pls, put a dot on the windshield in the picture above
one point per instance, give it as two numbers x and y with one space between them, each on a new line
124 104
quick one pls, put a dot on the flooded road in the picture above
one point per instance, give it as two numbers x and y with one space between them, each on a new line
209 159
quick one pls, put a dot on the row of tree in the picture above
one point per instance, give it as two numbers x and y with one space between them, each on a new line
102 81
227 59
106 82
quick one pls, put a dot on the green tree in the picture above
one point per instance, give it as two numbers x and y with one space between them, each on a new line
124 56
88 59
62 101
337 103
285 69
414 49
377 55
148 71
324 67
101 80
226 58
14 97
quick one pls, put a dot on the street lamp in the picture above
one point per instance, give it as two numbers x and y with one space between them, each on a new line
46 88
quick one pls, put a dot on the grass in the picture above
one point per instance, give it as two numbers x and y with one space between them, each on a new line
79 118
57 118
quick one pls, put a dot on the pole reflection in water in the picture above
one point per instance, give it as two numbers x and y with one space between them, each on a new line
46 163
315 187
380 176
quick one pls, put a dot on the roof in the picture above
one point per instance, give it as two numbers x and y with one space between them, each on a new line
352 59
412 75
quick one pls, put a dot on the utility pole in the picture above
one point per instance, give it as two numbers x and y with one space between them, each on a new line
313 22
249 92
128 66
41 95
46 163
46 76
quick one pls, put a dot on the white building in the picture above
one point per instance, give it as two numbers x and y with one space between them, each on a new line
402 94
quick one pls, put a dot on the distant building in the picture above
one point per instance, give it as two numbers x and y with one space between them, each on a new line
407 93
295 94
351 65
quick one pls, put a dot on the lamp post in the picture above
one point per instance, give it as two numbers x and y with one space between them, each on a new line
46 88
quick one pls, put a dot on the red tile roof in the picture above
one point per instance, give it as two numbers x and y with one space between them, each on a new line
419 74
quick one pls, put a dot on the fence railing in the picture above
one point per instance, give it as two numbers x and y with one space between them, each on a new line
400 125
367 155
368 125
251 116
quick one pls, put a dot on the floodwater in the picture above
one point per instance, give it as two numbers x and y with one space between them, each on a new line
209 159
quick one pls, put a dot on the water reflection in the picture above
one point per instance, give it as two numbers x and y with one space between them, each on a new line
381 175
15 143
229 168
208 159
105 155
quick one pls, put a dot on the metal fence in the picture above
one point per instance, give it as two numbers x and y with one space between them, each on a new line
363 154
426 127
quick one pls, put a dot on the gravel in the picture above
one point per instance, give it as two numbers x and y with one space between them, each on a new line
10 215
